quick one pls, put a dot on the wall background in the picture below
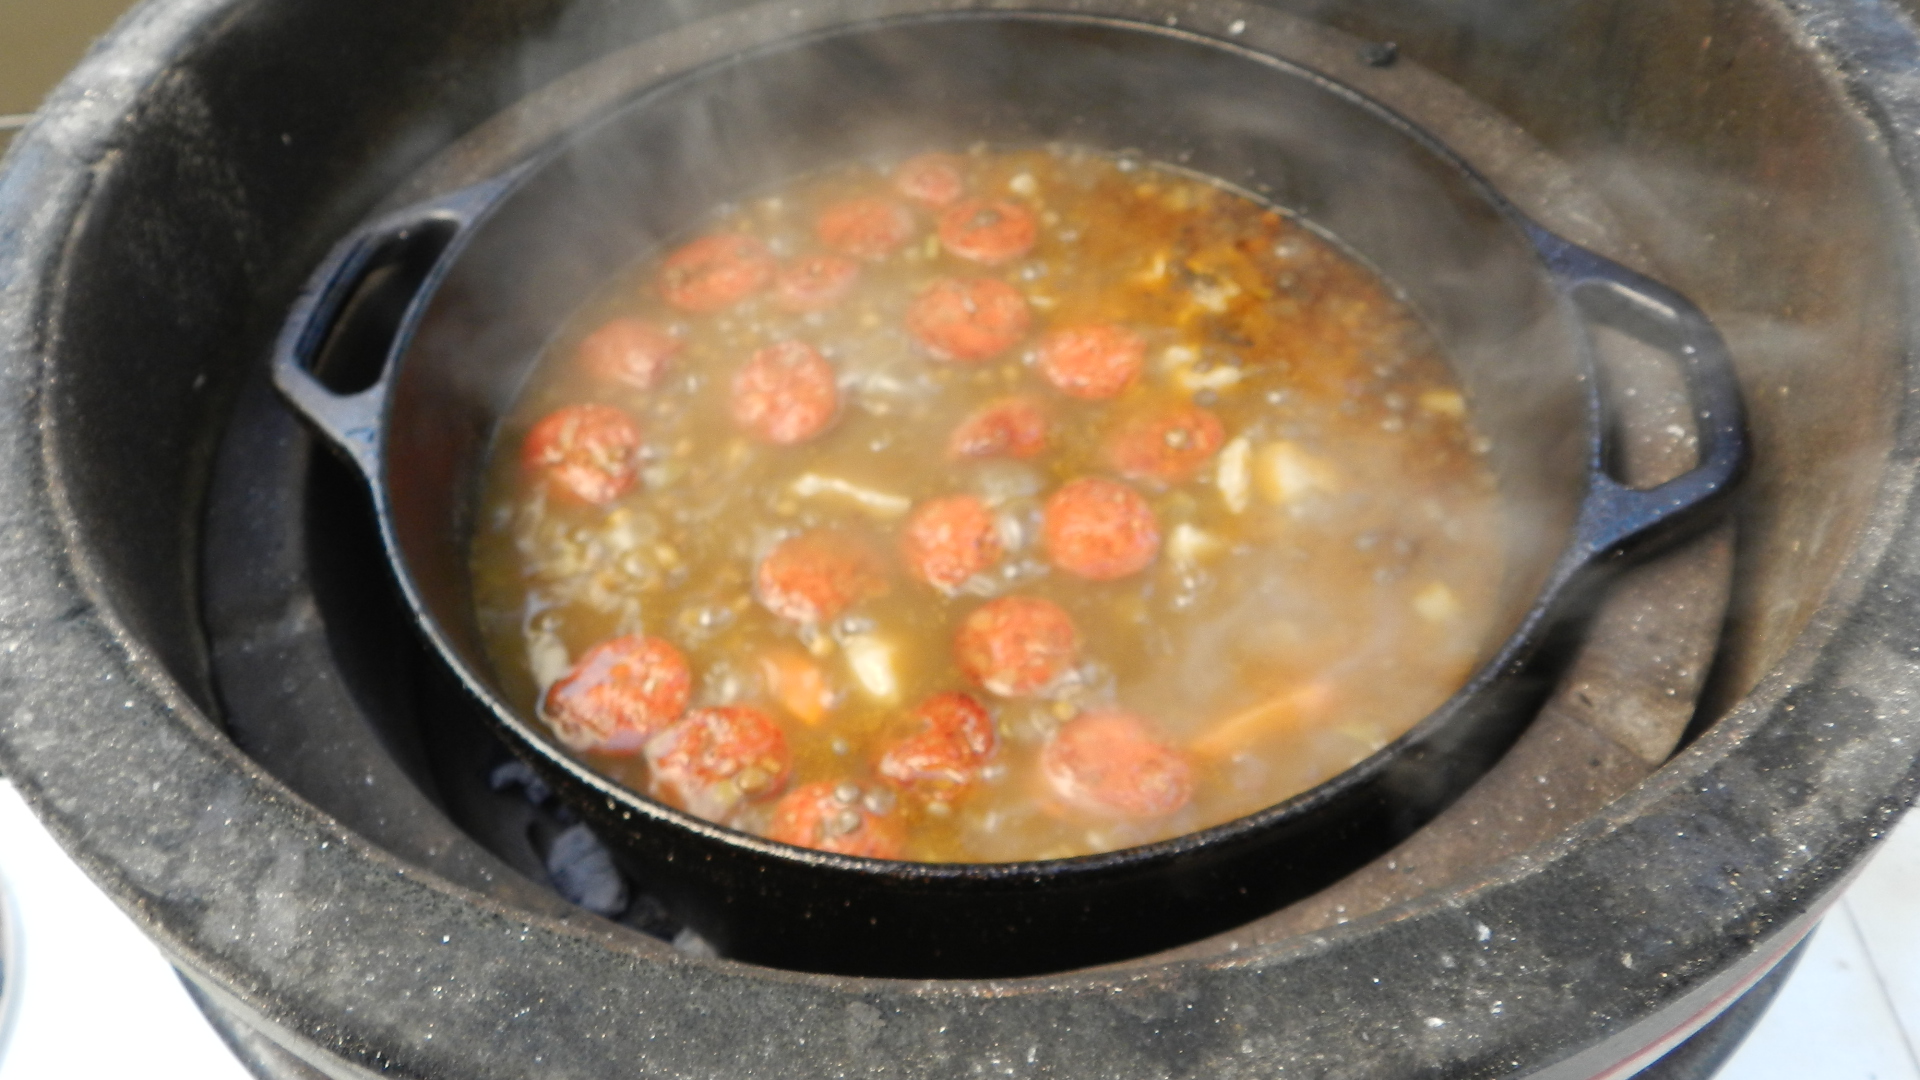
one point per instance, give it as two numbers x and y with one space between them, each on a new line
39 41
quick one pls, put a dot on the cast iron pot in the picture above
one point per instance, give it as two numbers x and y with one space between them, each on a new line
445 306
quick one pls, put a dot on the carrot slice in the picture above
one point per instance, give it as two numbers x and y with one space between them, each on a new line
1276 715
797 683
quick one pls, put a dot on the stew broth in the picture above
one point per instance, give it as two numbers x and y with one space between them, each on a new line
996 506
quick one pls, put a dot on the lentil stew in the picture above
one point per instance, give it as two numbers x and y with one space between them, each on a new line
988 507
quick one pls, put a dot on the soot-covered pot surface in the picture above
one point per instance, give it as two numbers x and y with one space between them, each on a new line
158 220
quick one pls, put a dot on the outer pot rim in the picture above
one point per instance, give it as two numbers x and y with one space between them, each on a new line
130 750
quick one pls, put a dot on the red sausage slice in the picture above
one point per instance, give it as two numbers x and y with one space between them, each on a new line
1108 763
868 228
944 758
814 283
988 231
1010 427
785 394
1017 645
1100 530
634 352
1166 446
715 759
832 817
933 180
1092 362
715 272
618 695
950 539
966 320
812 577
590 453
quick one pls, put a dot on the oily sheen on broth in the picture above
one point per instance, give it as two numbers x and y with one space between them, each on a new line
986 507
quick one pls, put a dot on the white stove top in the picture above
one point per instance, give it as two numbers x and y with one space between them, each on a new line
97 1001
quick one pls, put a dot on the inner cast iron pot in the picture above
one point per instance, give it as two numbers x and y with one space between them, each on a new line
482 278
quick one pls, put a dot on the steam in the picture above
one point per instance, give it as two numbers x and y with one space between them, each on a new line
727 133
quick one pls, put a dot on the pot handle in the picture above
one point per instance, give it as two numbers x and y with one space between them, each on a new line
395 263
1613 515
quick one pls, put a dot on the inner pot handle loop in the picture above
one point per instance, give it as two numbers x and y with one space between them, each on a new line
1614 516
358 312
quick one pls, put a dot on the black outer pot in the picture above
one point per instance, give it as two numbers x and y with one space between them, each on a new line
159 218
471 286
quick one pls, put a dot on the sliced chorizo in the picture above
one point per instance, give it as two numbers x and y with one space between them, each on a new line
1165 446
1013 427
816 575
865 228
950 539
1100 529
715 272
632 352
587 453
814 283
618 695
1107 762
713 760
786 393
1093 361
836 817
1017 646
932 180
954 741
988 231
968 319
